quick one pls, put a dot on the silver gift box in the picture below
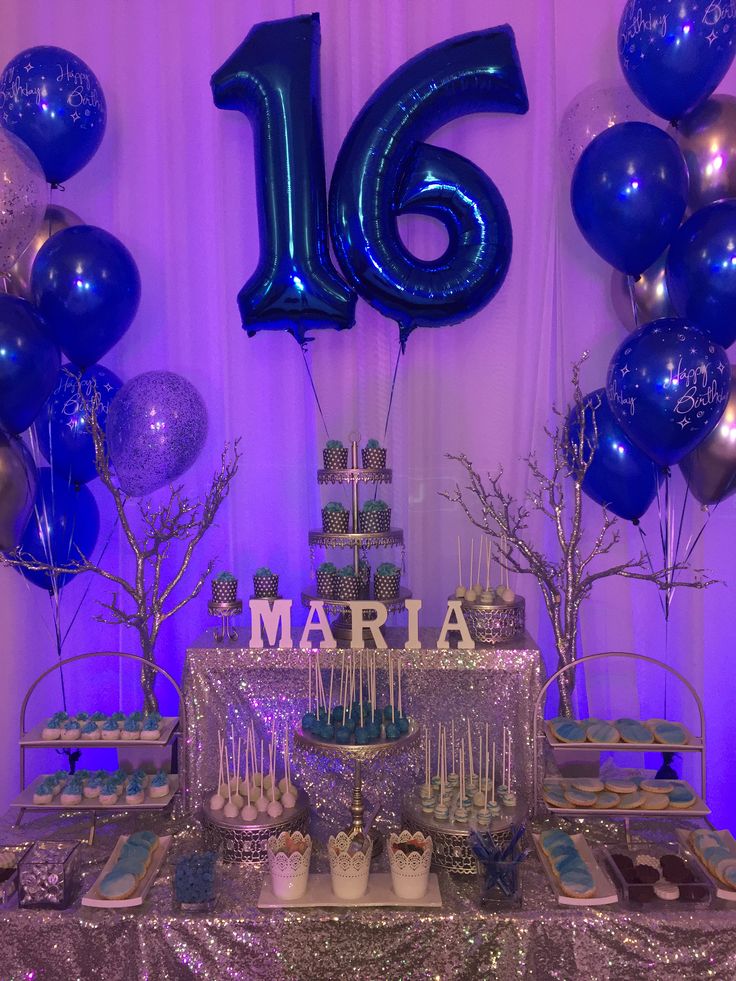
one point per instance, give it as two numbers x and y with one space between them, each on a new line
49 875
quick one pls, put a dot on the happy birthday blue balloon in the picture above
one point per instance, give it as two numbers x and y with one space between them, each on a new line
629 193
53 101
63 527
62 427
29 363
674 55
701 271
668 385
620 477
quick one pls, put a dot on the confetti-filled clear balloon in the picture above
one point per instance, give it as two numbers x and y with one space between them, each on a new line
156 428
55 219
22 198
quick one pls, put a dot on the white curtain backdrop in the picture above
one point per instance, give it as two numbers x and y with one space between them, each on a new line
174 180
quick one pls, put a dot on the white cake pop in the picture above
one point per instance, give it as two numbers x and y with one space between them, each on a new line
217 800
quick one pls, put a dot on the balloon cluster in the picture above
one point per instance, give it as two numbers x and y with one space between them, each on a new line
71 289
661 209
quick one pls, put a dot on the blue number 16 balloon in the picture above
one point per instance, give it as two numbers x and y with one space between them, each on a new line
384 170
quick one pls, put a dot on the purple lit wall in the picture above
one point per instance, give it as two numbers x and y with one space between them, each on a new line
174 180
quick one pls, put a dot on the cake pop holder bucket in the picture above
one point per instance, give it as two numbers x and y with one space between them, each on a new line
247 844
495 624
289 873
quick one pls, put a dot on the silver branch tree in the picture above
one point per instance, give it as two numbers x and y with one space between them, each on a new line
578 562
161 543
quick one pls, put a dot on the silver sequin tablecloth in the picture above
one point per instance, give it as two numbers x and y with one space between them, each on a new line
460 941
233 684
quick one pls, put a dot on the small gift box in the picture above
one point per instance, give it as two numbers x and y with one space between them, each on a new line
410 856
347 585
374 455
375 517
224 588
386 582
335 455
335 519
289 856
49 875
265 583
326 575
350 863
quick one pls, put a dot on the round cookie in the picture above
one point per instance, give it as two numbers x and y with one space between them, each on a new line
655 802
681 796
607 800
630 802
634 732
622 786
656 786
669 732
554 796
602 732
118 885
666 890
591 785
568 731
580 798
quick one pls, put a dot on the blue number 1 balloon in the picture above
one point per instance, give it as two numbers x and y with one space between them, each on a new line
273 77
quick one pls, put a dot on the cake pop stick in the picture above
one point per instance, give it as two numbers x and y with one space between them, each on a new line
309 673
426 757
232 744
439 751
459 564
401 710
493 775
480 557
360 693
452 736
470 755
332 676
480 758
462 773
488 565
230 810
217 801
485 804
470 577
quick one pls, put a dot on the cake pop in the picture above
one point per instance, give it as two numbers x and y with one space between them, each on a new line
217 801
309 717
402 722
470 593
488 596
460 589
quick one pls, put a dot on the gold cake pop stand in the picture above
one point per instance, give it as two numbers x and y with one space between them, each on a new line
359 755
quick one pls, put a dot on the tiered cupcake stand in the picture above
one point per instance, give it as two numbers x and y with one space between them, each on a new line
696 745
172 729
355 540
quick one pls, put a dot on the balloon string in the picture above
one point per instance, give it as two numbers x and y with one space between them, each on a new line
632 296
90 579
642 535
314 389
391 396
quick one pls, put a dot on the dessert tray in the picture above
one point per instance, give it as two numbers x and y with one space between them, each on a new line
692 744
697 809
25 800
722 892
605 891
33 738
93 896
380 893
693 895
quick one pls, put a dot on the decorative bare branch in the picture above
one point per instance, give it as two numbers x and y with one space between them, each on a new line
567 577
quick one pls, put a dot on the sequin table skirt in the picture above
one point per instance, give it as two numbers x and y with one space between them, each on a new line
457 942
230 684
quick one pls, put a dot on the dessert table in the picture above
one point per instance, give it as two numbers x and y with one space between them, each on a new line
539 941
227 682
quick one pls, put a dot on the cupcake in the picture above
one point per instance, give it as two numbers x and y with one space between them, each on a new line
98 718
289 856
265 583
335 455
374 455
108 792
409 855
133 791
224 588
44 792
82 717
71 792
151 728
374 517
72 729
110 729
350 862
386 582
326 573
159 785
52 729
90 730
335 519
92 788
346 584
131 729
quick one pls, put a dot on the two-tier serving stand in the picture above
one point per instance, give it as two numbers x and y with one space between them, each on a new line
359 542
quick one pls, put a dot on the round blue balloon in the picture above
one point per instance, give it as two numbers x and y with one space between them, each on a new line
62 430
29 363
385 169
52 100
701 271
674 55
629 193
63 527
86 285
668 385
156 428
620 477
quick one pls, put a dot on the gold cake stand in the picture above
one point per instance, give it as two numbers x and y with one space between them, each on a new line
359 755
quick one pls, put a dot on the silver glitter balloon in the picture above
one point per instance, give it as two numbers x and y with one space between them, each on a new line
22 198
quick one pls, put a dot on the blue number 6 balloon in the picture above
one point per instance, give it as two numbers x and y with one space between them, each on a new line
384 170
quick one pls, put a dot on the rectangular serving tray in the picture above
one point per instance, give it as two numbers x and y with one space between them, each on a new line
604 853
729 895
605 891
34 738
693 745
319 893
93 897
698 809
25 800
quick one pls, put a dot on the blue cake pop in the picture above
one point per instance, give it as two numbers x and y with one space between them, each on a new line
343 735
361 735
308 721
392 731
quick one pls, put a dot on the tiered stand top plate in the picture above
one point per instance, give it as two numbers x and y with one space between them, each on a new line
337 606
361 475
33 738
693 745
353 751
378 539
